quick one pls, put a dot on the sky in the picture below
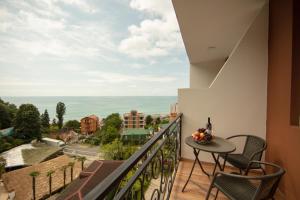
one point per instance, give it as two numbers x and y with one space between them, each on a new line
90 48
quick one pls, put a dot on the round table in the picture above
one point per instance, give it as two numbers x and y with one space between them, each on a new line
218 145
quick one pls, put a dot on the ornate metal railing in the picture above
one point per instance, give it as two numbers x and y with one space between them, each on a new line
147 174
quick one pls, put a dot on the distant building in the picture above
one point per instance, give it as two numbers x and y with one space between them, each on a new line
174 110
135 135
53 142
134 119
89 124
6 132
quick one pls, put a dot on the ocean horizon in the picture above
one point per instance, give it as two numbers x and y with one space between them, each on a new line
78 107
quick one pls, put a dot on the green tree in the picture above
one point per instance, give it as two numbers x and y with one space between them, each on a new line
108 135
49 175
2 166
116 150
73 124
34 174
110 130
81 159
54 123
28 123
157 120
5 118
60 112
45 120
148 120
71 165
64 170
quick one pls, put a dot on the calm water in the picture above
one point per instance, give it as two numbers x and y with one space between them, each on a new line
78 107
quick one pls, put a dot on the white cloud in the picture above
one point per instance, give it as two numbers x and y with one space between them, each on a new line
109 77
153 37
35 34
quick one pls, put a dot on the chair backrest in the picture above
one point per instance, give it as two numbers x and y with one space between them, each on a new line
252 145
269 182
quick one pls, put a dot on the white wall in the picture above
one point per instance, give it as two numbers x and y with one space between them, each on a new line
236 100
202 74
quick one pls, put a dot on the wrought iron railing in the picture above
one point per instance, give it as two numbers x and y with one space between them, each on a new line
147 174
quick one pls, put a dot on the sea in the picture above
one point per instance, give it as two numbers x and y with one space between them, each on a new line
78 107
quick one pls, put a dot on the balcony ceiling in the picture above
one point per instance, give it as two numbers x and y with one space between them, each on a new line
211 28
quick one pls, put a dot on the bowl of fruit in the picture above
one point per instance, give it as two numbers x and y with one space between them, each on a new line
202 136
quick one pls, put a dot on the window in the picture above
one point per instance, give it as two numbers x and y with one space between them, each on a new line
295 89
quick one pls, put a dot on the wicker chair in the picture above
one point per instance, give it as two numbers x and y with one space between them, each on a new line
242 187
253 150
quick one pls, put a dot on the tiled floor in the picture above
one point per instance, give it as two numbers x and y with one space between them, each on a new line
198 185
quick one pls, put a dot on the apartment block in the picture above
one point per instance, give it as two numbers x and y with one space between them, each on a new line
134 119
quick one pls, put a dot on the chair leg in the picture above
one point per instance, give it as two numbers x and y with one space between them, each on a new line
263 170
217 194
209 191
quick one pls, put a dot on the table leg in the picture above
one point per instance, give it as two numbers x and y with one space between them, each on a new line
190 173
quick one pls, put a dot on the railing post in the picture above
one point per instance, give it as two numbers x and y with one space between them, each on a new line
180 130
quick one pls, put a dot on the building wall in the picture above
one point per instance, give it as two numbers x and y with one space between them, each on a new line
283 139
88 125
132 120
236 99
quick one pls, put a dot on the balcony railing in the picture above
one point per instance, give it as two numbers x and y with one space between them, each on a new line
147 174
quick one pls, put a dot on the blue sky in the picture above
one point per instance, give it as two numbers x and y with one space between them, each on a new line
90 48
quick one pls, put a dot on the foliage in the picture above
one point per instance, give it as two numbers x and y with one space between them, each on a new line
73 124
148 120
157 120
5 119
110 130
60 112
28 123
45 120
117 150
2 166
7 114
34 174
9 142
94 140
54 123
110 134
53 128
165 121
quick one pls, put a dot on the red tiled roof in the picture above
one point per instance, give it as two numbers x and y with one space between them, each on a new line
88 179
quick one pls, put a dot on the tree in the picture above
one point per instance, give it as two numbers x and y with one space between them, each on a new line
28 123
45 120
110 134
54 122
157 121
49 175
64 170
82 159
60 112
111 128
34 174
71 165
116 150
5 119
2 166
148 120
73 124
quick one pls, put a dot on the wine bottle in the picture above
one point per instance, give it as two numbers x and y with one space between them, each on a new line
208 126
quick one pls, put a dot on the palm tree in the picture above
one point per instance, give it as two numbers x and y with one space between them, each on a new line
82 159
64 169
71 164
49 174
34 174
2 166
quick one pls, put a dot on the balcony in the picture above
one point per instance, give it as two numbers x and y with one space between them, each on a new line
157 171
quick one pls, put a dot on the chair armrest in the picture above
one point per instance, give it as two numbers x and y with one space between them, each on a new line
234 136
257 152
237 176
